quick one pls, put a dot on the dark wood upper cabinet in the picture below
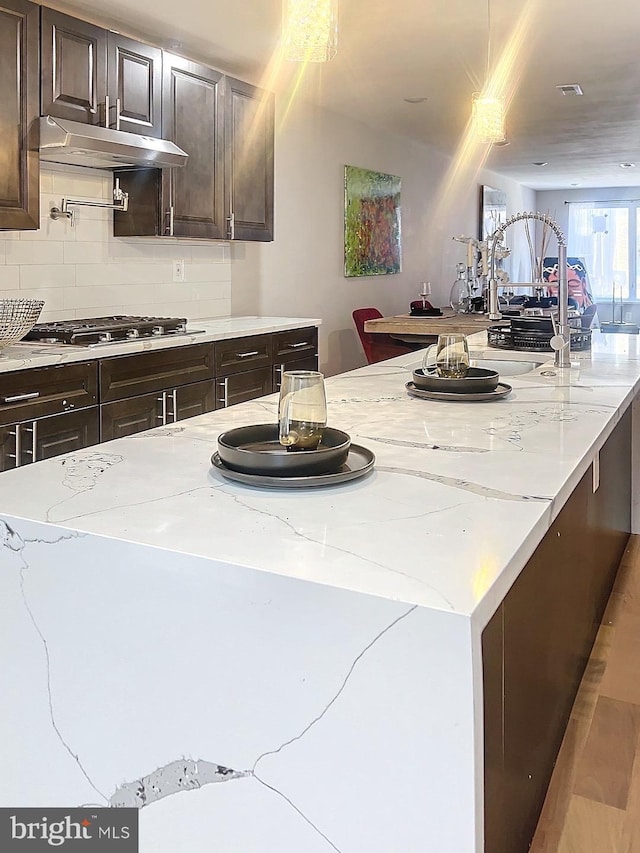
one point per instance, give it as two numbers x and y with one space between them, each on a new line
74 68
19 164
134 86
193 96
249 160
99 77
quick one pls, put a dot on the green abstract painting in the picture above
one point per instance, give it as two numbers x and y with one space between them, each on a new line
372 236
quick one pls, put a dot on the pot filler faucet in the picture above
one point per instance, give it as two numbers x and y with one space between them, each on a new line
561 340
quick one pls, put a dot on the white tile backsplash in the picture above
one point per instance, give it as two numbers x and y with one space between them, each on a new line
84 271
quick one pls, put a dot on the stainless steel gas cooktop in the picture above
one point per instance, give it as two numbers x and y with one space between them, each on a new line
107 330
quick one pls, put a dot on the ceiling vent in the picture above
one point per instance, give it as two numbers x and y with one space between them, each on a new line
570 89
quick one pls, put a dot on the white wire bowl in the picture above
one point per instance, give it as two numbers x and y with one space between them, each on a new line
17 317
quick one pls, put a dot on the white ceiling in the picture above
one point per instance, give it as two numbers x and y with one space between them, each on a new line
438 49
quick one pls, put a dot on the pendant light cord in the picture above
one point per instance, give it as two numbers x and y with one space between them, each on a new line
488 37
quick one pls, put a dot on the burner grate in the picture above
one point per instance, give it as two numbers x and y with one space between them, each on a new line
99 330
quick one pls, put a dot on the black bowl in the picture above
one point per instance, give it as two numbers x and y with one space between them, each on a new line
477 381
256 450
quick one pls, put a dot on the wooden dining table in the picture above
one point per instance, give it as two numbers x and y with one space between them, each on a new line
406 327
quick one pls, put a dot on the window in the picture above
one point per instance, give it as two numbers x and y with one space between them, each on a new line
607 235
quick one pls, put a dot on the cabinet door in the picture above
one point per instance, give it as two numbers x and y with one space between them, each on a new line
241 387
127 417
59 434
196 399
249 161
134 85
43 438
192 110
74 68
19 163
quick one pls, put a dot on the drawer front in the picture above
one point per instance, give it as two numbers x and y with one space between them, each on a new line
240 355
310 363
143 373
241 387
29 394
295 344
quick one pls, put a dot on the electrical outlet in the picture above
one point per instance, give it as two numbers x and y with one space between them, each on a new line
178 270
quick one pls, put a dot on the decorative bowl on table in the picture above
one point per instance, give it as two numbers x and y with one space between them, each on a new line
478 380
257 450
17 317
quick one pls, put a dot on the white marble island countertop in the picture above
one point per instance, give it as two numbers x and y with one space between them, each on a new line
460 496
284 670
27 354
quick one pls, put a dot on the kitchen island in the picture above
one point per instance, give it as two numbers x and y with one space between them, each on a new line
289 670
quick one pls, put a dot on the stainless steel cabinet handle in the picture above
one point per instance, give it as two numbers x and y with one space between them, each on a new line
18 446
174 404
118 112
279 372
225 395
301 344
169 227
107 106
33 429
163 417
248 354
18 398
231 219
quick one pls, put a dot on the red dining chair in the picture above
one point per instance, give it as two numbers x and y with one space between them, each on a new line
377 347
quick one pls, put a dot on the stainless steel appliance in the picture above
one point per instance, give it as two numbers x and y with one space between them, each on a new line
65 141
107 330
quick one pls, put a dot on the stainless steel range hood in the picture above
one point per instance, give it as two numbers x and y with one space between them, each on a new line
63 141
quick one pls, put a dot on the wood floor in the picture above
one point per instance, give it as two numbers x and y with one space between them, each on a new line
593 802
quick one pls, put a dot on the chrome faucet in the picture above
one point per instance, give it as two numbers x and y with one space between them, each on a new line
561 340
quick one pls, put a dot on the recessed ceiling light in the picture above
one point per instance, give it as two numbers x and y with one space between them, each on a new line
540 163
418 100
627 165
570 89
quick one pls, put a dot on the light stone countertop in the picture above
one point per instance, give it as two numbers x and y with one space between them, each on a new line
461 493
27 354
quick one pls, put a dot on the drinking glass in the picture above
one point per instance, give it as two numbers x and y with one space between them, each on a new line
302 409
452 357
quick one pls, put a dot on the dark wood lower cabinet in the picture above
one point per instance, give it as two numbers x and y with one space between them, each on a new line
137 414
536 646
196 399
240 387
127 417
43 438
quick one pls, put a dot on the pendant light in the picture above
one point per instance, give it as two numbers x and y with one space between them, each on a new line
487 107
310 30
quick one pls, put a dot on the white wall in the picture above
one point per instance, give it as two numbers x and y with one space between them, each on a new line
85 272
301 272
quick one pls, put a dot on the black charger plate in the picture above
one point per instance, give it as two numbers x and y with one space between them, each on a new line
498 393
360 461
